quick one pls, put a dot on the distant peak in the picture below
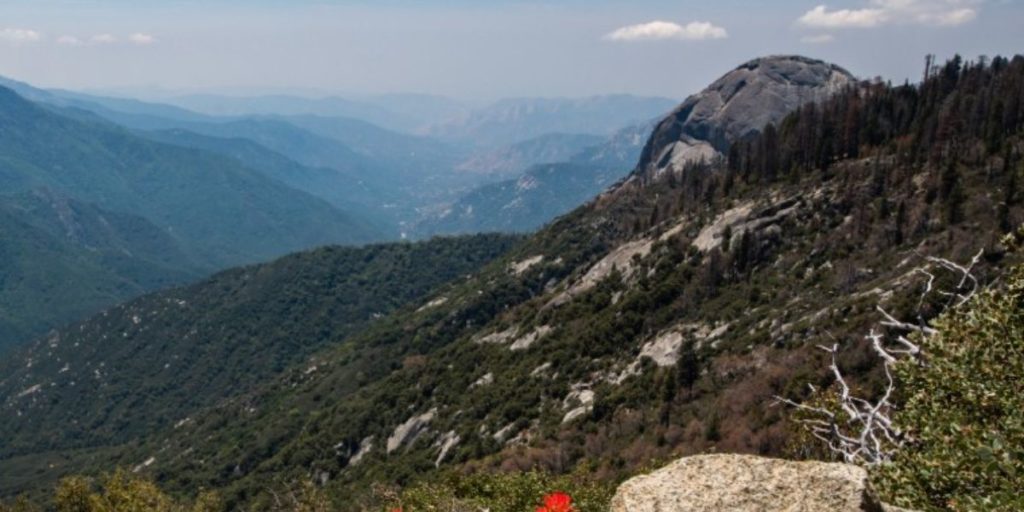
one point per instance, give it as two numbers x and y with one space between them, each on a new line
739 104
753 63
771 62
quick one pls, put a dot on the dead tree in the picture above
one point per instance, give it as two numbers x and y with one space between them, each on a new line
862 431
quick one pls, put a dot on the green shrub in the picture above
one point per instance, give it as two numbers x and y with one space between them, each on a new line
123 492
964 410
21 504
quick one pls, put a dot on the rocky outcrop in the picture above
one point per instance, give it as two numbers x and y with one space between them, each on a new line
409 431
738 105
744 483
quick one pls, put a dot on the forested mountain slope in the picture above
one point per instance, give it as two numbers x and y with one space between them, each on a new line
153 361
64 259
355 179
511 161
221 212
387 175
657 320
542 192
341 190
351 164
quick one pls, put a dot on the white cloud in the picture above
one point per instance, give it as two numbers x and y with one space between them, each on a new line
20 35
103 39
138 38
945 13
142 39
950 18
821 17
69 41
818 39
693 31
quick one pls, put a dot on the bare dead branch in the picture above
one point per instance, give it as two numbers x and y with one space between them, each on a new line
862 431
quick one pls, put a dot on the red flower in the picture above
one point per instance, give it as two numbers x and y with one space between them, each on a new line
557 502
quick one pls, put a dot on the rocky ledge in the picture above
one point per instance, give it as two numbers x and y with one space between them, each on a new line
744 483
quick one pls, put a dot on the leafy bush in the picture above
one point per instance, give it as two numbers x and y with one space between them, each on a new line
21 504
126 492
123 492
965 410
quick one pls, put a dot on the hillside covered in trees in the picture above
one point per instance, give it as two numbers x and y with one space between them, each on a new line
147 364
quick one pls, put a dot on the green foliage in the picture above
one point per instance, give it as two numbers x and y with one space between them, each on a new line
123 492
964 410
64 260
497 492
186 348
20 504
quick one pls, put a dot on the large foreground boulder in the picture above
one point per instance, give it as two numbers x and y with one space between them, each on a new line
741 483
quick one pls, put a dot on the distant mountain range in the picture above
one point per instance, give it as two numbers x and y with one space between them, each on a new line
209 210
401 179
221 211
279 174
406 113
544 190
511 161
502 123
514 120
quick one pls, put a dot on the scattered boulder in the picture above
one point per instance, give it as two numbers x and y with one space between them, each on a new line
409 431
527 341
745 483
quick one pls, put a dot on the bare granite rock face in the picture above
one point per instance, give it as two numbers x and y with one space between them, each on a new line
745 483
738 105
407 432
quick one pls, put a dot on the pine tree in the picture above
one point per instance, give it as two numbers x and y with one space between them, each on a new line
688 367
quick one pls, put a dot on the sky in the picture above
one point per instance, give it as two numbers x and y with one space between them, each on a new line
479 49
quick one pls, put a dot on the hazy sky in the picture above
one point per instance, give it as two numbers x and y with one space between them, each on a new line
479 49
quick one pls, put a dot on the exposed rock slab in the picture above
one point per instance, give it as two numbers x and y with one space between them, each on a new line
445 444
744 483
519 267
498 337
527 341
711 236
621 259
407 432
582 397
365 447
